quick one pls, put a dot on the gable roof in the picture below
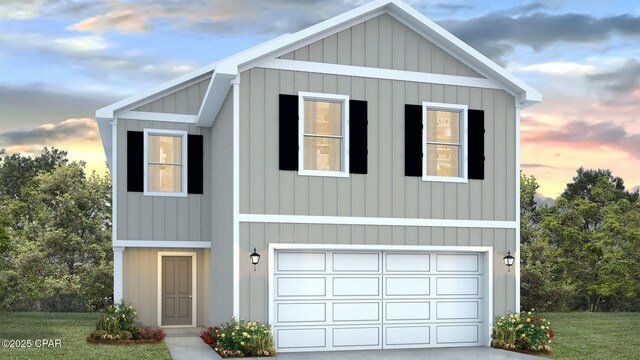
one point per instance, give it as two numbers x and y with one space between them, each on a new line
224 71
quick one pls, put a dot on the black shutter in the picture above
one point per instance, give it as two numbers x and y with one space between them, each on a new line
288 132
413 140
195 164
135 161
358 137
475 142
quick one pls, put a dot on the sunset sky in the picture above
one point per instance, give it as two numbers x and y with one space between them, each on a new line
60 60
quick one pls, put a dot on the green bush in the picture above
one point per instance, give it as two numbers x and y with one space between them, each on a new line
125 314
524 331
240 339
109 324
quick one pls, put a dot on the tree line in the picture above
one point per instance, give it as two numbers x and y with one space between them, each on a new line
55 234
582 252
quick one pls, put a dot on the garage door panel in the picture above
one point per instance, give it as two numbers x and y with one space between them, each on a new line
407 311
301 286
301 262
457 286
292 313
356 262
457 310
459 334
356 286
407 286
457 263
403 262
356 311
359 337
407 336
299 339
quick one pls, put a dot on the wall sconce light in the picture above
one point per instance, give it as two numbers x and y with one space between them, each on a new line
255 258
508 260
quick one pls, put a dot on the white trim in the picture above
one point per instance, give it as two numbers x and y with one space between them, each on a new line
117 273
177 133
156 116
486 250
378 73
194 290
517 215
236 197
348 220
344 151
462 165
163 244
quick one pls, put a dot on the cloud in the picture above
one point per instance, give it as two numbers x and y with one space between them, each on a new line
622 80
557 68
20 9
496 34
583 135
453 7
69 130
537 166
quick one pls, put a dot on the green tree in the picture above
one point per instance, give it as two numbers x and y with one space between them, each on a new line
16 170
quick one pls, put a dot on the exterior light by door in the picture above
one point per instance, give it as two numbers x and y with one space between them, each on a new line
508 260
255 258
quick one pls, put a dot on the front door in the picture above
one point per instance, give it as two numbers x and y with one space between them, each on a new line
176 290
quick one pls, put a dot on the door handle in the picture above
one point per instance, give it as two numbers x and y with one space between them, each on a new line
189 296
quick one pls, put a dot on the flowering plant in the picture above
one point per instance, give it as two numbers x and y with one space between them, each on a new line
148 333
125 314
240 339
523 331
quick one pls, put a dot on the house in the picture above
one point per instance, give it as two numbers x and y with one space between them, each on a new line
371 160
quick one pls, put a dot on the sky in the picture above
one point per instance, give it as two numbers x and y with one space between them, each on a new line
60 60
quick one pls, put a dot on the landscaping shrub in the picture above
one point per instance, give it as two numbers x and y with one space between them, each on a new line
525 331
126 315
148 333
240 339
108 323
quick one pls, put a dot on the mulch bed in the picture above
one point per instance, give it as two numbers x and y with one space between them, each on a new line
122 342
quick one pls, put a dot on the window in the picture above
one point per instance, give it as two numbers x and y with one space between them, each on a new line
165 162
324 134
444 142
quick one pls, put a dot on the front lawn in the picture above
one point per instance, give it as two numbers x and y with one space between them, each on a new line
586 336
72 329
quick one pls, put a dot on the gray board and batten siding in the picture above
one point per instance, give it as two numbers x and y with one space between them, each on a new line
185 101
160 218
222 214
382 42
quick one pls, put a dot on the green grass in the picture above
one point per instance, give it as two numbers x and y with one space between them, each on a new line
72 329
587 336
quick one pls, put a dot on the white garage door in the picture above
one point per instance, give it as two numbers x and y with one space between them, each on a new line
340 300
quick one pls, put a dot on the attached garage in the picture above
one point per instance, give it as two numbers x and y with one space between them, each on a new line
350 298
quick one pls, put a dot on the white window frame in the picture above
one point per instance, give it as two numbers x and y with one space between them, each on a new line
344 99
163 132
463 164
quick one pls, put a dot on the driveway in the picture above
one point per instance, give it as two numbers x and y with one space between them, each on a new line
480 353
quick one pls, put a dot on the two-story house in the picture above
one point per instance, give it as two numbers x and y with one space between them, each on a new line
371 160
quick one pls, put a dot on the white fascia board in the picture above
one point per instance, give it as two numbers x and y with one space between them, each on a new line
156 116
217 91
446 40
162 244
106 131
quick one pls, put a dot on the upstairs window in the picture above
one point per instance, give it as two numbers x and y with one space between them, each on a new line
444 142
165 162
323 134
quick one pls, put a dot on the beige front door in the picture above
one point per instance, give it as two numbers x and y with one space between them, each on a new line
176 290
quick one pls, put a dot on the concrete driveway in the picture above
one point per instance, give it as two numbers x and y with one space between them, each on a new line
467 353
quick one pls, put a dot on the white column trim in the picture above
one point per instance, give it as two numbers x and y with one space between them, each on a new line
349 220
117 273
379 73
156 116
517 215
236 196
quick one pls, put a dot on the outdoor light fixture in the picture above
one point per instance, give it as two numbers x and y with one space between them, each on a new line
255 258
508 260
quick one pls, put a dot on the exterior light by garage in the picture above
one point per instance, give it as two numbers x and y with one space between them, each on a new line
508 260
255 258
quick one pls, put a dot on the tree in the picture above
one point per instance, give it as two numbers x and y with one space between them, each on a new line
586 180
16 170
61 257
